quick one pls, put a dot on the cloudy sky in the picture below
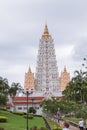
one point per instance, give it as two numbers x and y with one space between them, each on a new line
21 26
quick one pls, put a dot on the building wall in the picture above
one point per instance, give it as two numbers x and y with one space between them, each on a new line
23 108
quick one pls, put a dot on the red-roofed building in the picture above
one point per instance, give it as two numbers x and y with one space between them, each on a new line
19 103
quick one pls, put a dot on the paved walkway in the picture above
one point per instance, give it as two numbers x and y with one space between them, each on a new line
71 127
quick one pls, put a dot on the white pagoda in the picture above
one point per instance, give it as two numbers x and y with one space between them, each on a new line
46 77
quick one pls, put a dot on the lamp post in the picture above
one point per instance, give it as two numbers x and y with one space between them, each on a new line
32 101
27 92
27 111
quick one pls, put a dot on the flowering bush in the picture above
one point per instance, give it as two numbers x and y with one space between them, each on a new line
55 127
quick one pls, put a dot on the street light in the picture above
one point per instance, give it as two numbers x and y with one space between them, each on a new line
32 101
27 92
58 114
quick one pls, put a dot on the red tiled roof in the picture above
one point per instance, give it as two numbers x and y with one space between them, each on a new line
29 98
26 103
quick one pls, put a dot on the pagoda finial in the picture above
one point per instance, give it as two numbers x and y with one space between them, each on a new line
46 32
64 68
29 70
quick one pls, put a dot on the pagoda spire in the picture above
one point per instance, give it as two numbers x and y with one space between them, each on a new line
29 70
46 32
64 68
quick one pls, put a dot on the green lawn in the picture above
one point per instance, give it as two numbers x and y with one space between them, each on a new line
16 122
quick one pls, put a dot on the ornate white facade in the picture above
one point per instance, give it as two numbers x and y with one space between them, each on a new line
46 77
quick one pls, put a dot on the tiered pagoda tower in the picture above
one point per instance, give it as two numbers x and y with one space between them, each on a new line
64 79
46 77
29 80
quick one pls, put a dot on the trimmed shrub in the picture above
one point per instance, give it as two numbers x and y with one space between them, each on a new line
18 113
59 128
3 119
30 116
38 115
55 127
33 128
4 109
41 128
1 128
32 110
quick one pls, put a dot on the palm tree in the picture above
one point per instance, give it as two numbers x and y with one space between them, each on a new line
4 88
15 88
81 83
77 87
68 93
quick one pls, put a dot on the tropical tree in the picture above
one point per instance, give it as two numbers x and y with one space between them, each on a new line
14 89
77 87
81 83
68 93
4 88
3 100
66 107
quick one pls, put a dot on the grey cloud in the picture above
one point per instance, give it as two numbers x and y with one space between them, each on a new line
17 54
80 50
22 24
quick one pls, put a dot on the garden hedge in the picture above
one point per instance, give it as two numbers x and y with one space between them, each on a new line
3 119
